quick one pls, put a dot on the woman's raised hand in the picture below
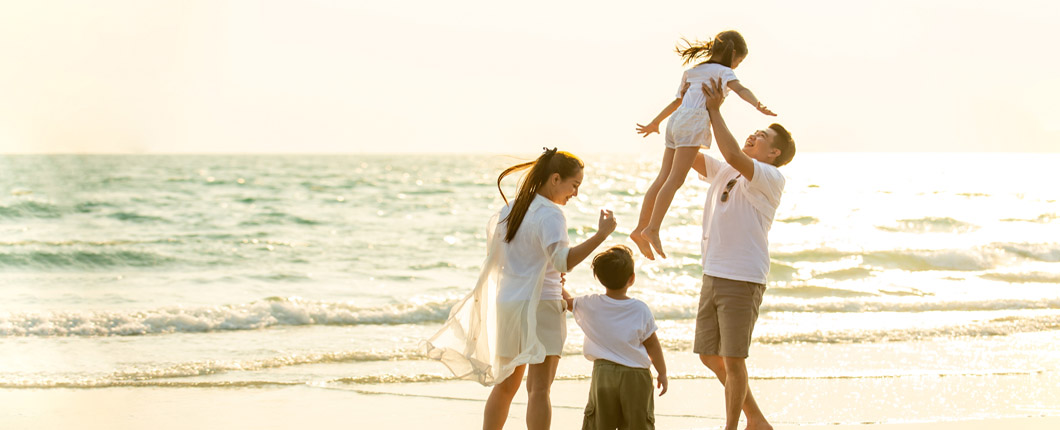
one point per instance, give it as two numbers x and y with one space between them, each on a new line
607 222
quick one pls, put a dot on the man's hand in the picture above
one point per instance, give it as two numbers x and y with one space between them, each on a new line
663 384
714 93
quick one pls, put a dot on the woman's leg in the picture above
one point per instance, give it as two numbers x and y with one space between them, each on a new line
637 235
538 387
500 400
682 163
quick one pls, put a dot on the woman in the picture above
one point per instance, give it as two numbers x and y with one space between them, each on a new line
514 317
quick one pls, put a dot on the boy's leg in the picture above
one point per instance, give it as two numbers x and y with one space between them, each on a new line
637 235
682 163
538 388
756 420
603 411
500 400
638 400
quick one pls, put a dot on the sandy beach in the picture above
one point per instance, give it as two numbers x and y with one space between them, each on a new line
440 406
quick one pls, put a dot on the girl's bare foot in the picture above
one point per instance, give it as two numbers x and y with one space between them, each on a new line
643 245
760 425
653 237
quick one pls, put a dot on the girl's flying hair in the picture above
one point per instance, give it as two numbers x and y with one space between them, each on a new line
726 47
552 161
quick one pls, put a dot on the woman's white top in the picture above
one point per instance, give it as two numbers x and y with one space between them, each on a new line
503 306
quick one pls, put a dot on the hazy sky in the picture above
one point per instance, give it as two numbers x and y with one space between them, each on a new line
511 77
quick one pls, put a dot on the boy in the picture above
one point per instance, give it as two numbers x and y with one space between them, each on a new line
620 340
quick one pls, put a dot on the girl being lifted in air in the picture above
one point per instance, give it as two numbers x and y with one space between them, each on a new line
688 129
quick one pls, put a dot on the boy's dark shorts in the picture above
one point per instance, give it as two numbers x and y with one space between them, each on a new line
620 397
728 310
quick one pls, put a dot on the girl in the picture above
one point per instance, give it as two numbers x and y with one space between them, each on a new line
514 316
688 129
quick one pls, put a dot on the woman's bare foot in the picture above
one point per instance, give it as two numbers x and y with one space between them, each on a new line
653 237
643 245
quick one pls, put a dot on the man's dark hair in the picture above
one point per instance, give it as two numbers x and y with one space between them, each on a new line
784 143
614 267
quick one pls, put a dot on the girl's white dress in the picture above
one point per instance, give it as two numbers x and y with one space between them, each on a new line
494 328
690 125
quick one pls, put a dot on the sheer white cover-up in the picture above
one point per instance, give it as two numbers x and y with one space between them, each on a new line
493 330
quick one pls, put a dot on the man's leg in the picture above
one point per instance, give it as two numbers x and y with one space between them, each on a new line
756 420
737 306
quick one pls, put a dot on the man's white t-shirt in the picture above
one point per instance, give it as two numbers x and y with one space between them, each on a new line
615 330
735 232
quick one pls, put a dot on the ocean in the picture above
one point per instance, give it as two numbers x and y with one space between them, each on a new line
925 282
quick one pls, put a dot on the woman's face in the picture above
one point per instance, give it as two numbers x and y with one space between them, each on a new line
561 190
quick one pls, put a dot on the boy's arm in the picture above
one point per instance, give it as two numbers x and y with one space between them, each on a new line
749 97
568 298
657 360
726 142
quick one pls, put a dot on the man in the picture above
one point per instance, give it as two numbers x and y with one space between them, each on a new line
743 197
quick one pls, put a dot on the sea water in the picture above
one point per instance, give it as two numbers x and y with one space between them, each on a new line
892 273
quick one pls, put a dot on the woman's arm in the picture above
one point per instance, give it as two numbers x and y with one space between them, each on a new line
606 226
749 97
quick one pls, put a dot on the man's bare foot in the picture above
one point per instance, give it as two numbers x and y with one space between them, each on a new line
638 238
653 238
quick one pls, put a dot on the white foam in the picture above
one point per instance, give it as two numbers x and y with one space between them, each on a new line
250 316
295 312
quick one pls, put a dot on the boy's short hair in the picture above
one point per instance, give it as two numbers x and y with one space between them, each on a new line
614 267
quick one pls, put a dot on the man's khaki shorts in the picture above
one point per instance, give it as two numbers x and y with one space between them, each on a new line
728 310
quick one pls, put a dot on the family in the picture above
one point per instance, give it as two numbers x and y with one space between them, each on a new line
514 324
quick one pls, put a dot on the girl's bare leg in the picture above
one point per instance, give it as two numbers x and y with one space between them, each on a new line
538 386
500 400
637 235
682 162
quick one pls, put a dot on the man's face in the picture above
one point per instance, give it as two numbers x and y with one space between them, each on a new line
759 146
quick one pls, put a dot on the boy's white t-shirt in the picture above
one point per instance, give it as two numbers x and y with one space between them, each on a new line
736 231
615 330
696 76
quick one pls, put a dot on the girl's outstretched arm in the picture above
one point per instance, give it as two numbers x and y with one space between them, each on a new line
746 94
653 126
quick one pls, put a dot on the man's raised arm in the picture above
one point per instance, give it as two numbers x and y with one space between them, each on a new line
726 142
